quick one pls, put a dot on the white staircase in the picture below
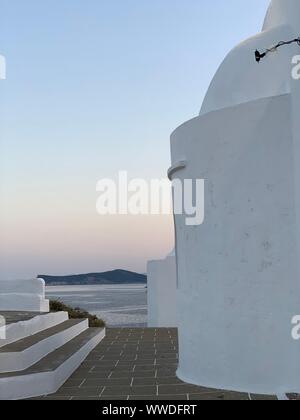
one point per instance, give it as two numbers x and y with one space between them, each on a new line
41 353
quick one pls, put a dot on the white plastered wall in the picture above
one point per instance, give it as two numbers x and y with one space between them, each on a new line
161 292
23 295
238 273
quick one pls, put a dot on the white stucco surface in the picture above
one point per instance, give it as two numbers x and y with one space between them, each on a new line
161 293
238 273
23 295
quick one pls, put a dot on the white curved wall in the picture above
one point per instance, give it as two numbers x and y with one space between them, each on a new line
23 295
161 293
238 273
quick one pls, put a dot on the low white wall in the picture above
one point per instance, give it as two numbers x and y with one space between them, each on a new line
161 291
36 286
23 295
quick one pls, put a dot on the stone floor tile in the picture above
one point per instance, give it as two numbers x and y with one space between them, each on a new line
219 396
256 397
159 398
134 390
76 391
107 382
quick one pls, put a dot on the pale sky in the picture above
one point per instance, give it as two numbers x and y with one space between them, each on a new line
94 87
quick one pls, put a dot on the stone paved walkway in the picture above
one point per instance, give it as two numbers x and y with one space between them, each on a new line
137 364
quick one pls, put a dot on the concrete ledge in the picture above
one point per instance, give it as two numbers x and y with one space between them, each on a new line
176 167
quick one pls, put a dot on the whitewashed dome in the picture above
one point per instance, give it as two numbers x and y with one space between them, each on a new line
240 79
283 12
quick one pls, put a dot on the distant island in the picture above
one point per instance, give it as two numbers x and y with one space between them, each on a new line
106 278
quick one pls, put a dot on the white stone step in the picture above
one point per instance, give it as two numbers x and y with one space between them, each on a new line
15 331
50 373
24 353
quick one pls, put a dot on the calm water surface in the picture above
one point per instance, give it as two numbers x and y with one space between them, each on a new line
119 306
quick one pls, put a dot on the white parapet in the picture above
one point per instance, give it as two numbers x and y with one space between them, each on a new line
161 293
23 295
238 273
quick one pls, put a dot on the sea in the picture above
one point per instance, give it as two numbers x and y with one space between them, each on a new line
117 305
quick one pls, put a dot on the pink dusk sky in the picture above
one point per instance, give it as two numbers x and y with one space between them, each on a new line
95 87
